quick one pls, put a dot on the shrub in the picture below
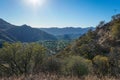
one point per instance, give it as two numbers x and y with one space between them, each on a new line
114 61
76 65
101 65
116 31
52 65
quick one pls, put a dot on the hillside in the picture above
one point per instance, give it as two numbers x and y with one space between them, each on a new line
24 33
94 53
5 25
99 42
27 34
6 37
67 32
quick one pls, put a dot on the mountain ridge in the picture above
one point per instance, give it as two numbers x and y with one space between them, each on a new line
71 32
22 33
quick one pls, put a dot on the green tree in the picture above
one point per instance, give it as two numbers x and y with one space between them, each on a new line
18 58
101 24
115 17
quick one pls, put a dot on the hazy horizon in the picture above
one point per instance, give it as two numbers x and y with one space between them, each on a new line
58 13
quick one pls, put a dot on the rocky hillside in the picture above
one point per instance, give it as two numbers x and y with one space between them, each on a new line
98 42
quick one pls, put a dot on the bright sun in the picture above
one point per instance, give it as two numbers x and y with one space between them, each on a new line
35 3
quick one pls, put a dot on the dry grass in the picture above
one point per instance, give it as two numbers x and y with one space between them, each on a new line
55 77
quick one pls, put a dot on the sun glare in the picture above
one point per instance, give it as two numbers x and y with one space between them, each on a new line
35 3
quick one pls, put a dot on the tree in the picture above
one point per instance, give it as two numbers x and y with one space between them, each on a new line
101 24
18 58
115 17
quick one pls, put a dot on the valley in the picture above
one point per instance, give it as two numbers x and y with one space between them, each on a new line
95 53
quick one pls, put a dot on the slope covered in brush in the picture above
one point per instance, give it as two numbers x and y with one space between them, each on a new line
98 42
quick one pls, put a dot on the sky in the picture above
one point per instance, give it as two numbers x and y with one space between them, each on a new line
58 13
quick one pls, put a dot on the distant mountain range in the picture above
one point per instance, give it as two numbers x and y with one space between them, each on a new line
67 32
24 33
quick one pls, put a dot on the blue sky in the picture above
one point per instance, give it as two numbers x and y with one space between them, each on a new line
59 13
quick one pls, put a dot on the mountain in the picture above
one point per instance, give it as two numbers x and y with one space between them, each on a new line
67 33
24 33
5 36
5 25
105 41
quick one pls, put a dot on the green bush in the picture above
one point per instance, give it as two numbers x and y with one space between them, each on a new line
76 66
114 61
101 65
52 65
116 31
